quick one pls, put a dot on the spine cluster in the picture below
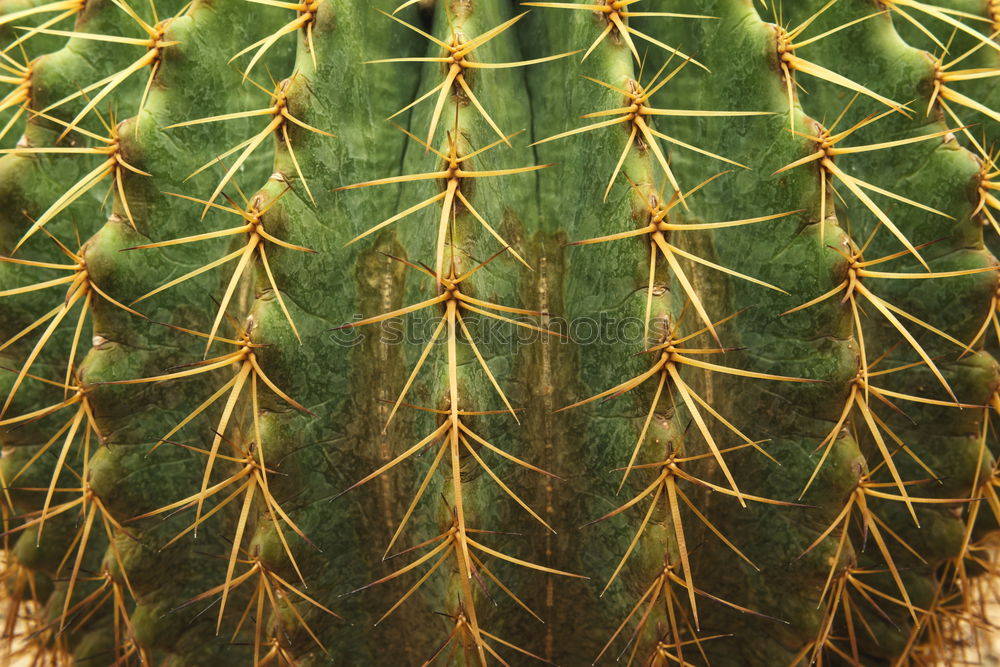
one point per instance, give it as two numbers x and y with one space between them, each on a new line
791 462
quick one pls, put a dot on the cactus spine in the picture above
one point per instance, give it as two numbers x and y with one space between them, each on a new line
642 331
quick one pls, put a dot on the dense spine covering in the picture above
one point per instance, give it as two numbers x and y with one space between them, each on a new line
658 332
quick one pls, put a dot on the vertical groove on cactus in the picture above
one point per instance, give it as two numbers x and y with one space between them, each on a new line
482 332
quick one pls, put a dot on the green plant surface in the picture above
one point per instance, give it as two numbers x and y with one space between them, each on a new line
473 331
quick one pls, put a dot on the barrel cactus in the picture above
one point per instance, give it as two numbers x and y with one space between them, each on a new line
495 332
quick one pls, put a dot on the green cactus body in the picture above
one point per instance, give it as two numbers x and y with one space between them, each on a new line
479 332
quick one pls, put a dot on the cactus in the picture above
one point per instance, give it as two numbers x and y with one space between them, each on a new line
487 332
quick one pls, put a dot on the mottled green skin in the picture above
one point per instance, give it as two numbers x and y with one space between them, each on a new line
30 184
945 439
123 472
319 456
790 253
590 441
508 204
347 380
129 347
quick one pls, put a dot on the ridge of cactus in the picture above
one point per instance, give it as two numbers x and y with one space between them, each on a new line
491 332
